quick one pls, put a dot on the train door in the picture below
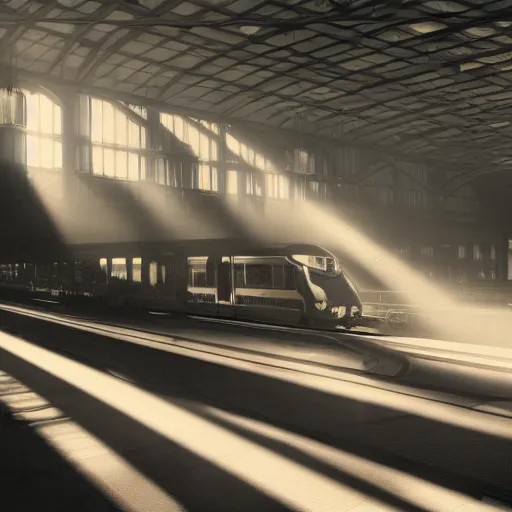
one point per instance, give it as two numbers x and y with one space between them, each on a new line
225 288
167 278
201 289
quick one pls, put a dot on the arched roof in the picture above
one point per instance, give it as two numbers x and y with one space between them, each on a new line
429 80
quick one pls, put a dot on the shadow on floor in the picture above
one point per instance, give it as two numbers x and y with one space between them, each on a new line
462 459
36 477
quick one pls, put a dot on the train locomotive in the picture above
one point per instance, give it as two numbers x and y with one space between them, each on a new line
298 284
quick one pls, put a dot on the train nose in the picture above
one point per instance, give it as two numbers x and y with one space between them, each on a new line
346 311
357 311
339 311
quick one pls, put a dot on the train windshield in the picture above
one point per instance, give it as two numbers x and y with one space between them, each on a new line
323 264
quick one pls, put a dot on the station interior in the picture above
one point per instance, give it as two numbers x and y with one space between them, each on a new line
255 255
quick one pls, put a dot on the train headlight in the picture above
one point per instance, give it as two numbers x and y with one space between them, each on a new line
339 311
321 305
319 263
356 311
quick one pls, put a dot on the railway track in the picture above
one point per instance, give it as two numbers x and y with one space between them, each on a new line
396 380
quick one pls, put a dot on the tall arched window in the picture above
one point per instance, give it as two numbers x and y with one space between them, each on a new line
44 132
118 143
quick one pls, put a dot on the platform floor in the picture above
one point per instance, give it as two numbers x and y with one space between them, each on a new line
124 427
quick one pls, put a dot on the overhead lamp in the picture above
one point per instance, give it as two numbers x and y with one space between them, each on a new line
249 30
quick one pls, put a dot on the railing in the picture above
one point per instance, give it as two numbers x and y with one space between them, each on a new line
396 310
498 294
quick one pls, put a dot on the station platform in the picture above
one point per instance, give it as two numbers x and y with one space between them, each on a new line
95 423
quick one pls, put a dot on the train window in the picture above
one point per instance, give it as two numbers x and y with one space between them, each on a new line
493 252
197 275
258 276
103 265
153 273
477 252
119 270
289 277
239 275
279 277
137 270
163 274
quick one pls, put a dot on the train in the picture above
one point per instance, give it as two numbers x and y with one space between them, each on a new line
296 284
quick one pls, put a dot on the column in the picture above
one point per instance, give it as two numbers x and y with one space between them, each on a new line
153 142
222 153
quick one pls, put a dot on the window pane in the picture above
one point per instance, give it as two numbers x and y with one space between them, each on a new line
57 120
198 277
160 170
97 160
133 135
172 174
57 155
143 167
33 112
46 153
278 277
33 151
232 182
215 181
270 185
153 273
260 162
46 115
204 177
119 268
103 265
194 139
197 272
121 128
284 190
204 147
214 151
181 128
240 276
137 270
96 121
232 144
142 137
121 164
258 276
108 163
108 123
133 166
289 277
